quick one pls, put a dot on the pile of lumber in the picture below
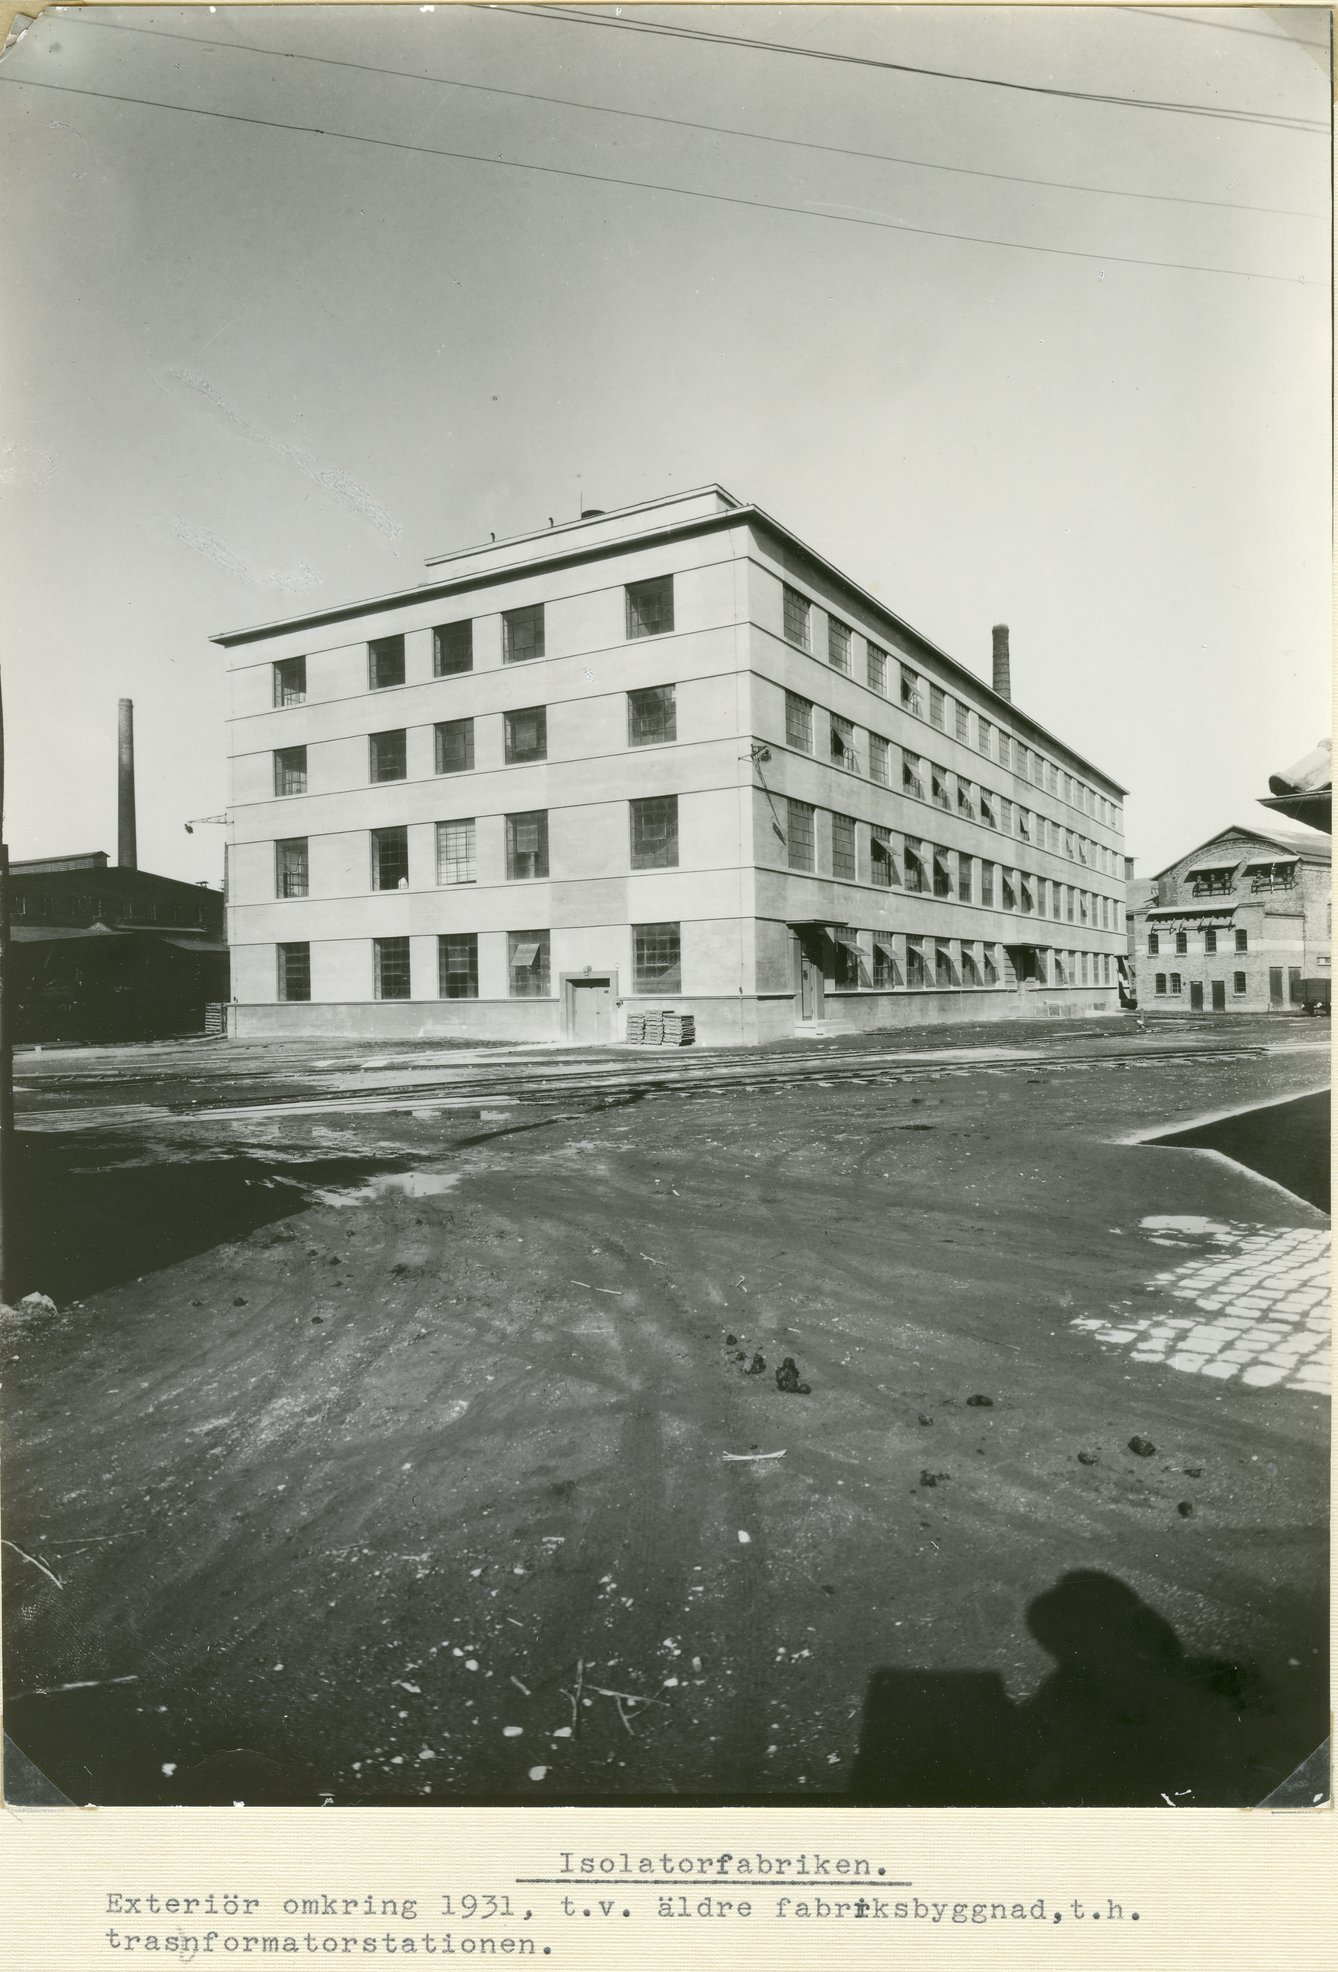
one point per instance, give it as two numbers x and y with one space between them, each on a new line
662 1029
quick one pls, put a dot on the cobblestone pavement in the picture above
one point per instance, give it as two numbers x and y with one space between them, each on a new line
1262 1297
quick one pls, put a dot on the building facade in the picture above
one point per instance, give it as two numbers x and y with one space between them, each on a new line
666 758
1237 925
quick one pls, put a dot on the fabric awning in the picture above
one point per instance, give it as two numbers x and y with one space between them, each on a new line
1165 913
1212 869
884 944
525 955
845 936
1285 860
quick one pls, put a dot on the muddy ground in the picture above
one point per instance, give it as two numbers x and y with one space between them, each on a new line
424 1442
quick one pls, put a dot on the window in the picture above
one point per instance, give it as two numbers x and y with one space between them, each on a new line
838 645
522 634
655 832
1242 940
987 884
1056 900
390 968
458 966
1082 849
1037 770
843 848
1213 883
846 963
910 691
1069 849
452 649
798 723
1005 815
943 972
939 785
1028 900
880 760
987 812
1238 982
1042 891
294 972
1005 749
291 876
290 770
991 959
843 743
390 859
884 963
1154 944
915 963
1210 942
1084 906
876 669
964 878
964 725
915 869
385 662
527 965
964 806
454 745
936 706
800 833
1052 778
290 681
984 729
657 958
910 776
1083 969
942 874
1008 897
525 734
1175 982
386 756
1181 941
796 613
652 716
1160 984
1070 904
527 846
882 862
970 969
1023 825
455 852
650 607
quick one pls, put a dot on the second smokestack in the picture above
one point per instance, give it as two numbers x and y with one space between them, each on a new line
126 852
1003 682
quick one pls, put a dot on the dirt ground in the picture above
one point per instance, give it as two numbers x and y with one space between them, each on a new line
408 1425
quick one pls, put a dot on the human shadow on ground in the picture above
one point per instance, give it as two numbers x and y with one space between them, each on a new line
1125 1719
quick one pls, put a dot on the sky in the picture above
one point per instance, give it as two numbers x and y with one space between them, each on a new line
250 371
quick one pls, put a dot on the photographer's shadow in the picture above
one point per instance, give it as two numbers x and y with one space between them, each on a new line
1125 1719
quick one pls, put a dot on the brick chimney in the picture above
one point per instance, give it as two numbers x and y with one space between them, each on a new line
126 853
1003 683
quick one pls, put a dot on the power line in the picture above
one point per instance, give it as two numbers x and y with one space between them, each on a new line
562 18
86 19
1225 27
644 185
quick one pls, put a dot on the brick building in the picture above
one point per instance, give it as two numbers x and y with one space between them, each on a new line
1237 924
667 757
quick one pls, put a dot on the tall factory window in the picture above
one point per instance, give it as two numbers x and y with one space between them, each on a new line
1175 982
797 613
880 760
528 964
527 845
1242 940
1181 941
910 691
455 852
843 848
936 706
526 734
522 634
963 724
390 966
385 662
657 958
915 962
452 649
652 716
294 972
291 868
843 744
290 770
1210 942
799 832
964 879
1238 982
942 874
882 862
387 756
911 782
915 868
876 669
987 884
938 783
650 607
654 831
798 723
458 966
838 645
454 744
1154 944
290 681
390 859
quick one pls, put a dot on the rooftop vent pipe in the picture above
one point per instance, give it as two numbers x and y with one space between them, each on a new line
592 513
126 852
1003 683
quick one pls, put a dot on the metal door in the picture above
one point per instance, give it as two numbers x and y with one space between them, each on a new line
1196 996
591 1012
1219 996
1274 988
810 977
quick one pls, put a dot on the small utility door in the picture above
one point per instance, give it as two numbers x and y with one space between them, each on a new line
1196 996
808 953
1274 987
1219 996
591 1012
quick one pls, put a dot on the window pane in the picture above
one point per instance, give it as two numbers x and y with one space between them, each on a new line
290 867
294 972
987 883
882 862
455 852
528 964
522 634
911 782
938 782
650 607
290 681
290 770
526 734
458 966
1239 982
390 859
654 824
942 874
652 716
843 743
884 963
800 834
838 644
877 669
657 965
964 725
454 746
915 869
964 878
798 723
387 756
796 615
452 649
385 662
527 845
880 760
936 706
915 963
391 968
843 848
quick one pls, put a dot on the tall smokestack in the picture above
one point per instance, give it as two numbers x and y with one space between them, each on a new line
126 853
1003 683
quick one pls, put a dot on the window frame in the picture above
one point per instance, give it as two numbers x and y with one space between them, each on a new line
444 666
653 588
470 861
379 840
286 953
539 713
637 733
381 953
796 617
282 693
640 855
541 966
282 876
445 973
801 821
285 770
376 778
525 623
642 936
540 854
440 743
380 651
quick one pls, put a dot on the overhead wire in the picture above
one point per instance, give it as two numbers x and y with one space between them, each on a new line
644 185
1227 27
86 19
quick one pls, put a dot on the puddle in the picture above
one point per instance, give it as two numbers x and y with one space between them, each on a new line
391 1184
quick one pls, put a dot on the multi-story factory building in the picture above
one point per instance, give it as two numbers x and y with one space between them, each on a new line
663 758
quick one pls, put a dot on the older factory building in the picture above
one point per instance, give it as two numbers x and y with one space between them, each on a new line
666 758
1240 924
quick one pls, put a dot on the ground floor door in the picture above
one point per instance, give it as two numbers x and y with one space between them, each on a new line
808 953
591 1011
1274 988
1196 996
1219 996
1294 993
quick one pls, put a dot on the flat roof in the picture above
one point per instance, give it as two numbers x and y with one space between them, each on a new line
572 551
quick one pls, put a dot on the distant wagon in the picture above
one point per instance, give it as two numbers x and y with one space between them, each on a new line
1315 995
